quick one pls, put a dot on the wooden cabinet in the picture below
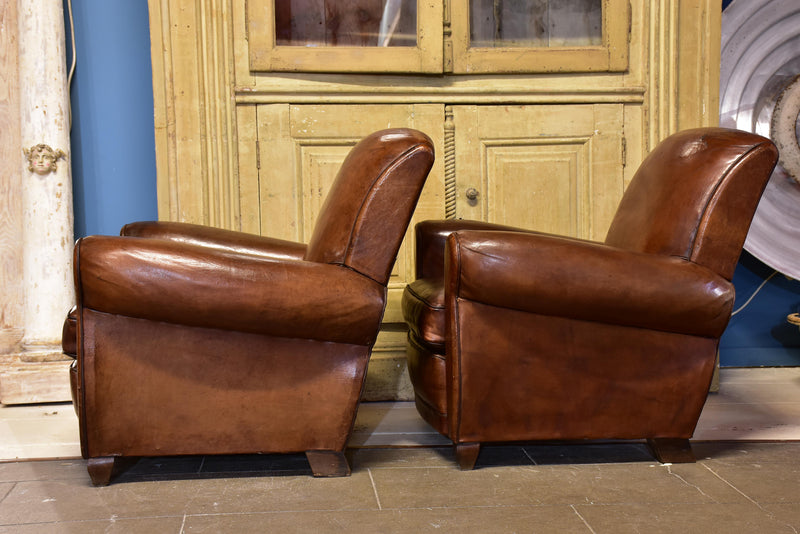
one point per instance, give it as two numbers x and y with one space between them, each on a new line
539 124
555 168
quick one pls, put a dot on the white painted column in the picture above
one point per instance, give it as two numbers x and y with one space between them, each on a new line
36 209
47 194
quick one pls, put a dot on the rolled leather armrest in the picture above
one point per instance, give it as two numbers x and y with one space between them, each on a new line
432 235
230 240
589 281
199 286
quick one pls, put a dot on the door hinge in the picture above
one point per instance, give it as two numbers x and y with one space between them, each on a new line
624 152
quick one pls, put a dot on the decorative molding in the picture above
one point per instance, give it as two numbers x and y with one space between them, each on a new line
684 59
220 142
447 36
192 58
449 164
450 89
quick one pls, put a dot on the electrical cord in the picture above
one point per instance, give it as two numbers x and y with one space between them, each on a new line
767 279
74 60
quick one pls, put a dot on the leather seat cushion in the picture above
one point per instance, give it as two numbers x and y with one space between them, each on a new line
69 334
425 313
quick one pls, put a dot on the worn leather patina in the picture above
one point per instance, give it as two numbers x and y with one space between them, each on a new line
517 335
196 340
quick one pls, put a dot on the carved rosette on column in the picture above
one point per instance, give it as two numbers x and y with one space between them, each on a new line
32 369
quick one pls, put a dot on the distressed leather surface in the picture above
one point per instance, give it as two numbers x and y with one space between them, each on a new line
197 340
517 335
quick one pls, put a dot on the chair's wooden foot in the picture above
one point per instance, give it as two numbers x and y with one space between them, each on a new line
103 469
672 450
467 455
100 470
328 463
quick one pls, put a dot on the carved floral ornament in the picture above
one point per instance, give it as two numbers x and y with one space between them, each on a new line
42 159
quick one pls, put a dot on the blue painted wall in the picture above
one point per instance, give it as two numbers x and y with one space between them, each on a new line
759 334
113 165
113 148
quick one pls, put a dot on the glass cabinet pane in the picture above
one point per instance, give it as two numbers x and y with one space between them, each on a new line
535 23
357 23
344 36
516 36
414 36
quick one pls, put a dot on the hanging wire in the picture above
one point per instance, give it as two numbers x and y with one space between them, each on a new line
73 63
767 279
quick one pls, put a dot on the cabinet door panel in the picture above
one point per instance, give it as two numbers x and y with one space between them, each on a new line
301 148
521 190
555 169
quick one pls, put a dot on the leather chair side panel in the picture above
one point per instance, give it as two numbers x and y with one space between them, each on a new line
212 392
571 379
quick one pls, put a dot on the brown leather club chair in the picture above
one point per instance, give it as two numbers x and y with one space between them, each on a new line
195 340
520 336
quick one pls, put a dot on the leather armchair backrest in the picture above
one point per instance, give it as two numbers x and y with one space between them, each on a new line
694 196
368 209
